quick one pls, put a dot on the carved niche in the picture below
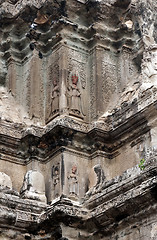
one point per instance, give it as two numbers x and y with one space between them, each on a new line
53 88
74 95
77 82
56 180
78 61
109 79
73 183
33 186
55 98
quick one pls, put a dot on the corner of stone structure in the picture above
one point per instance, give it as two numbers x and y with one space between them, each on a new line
78 126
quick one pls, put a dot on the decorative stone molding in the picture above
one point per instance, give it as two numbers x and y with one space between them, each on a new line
78 119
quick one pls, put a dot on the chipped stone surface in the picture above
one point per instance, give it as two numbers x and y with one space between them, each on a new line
78 126
33 186
5 181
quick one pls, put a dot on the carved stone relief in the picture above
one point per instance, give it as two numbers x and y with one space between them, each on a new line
56 180
53 89
149 64
74 96
129 72
73 182
92 111
147 22
55 98
109 80
86 59
77 66
78 61
103 81
100 179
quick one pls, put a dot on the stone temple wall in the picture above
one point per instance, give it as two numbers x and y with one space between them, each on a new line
78 119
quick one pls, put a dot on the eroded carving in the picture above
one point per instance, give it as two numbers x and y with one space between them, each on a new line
73 182
109 78
92 110
56 180
33 186
149 64
78 61
55 98
74 96
100 179
5 181
53 88
98 31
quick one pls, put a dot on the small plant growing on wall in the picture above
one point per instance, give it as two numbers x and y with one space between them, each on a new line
141 164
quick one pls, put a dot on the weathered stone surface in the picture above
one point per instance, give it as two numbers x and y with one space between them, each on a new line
5 181
33 186
78 126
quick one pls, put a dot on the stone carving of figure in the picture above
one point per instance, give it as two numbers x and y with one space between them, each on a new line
55 98
75 96
73 182
100 175
56 180
100 179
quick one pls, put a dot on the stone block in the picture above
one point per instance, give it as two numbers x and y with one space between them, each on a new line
5 181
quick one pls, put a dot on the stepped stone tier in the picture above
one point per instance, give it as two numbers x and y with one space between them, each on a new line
78 119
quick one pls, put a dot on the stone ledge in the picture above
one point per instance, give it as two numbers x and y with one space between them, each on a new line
124 197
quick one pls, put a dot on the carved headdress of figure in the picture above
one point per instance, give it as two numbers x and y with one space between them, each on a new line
74 79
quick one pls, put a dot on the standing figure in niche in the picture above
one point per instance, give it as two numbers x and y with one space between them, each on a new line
55 98
75 96
73 182
56 180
